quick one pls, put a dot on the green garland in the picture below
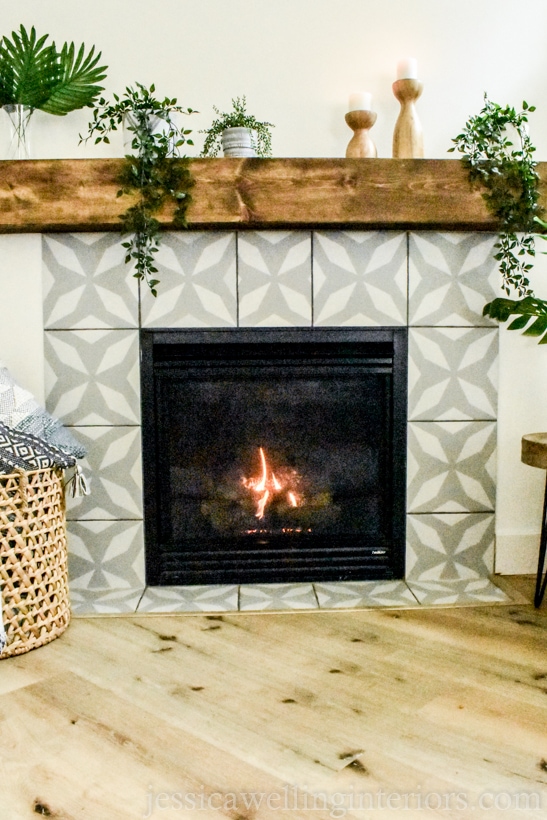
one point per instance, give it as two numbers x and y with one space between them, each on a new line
157 172
508 173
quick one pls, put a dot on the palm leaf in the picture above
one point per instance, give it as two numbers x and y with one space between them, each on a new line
29 69
78 83
37 75
524 310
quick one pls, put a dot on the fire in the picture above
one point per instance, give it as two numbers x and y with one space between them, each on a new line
267 487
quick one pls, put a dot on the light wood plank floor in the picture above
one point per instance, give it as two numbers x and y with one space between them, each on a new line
416 713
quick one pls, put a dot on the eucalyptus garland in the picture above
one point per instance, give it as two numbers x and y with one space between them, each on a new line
156 172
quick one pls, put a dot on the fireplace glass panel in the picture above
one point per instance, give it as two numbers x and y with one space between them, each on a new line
273 457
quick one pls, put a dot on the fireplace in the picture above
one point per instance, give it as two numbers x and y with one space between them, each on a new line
274 455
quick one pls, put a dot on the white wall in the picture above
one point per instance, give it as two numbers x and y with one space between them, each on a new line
297 61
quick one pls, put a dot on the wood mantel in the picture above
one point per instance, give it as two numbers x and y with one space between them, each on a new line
80 195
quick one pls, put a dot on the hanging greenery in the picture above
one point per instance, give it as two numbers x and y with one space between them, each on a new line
498 154
156 172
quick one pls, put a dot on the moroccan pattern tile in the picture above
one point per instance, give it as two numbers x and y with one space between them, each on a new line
452 373
451 277
359 278
197 275
92 376
451 466
106 555
85 602
447 547
363 594
277 596
190 599
274 275
436 593
113 471
86 282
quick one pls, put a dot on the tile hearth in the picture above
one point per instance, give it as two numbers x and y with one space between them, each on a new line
287 597
433 282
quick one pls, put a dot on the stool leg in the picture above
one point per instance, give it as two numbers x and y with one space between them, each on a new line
542 583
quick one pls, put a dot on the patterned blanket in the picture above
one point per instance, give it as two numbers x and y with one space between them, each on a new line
20 410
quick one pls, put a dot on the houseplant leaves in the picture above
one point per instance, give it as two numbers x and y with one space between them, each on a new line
35 74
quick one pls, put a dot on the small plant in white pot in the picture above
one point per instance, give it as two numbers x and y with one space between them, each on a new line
238 133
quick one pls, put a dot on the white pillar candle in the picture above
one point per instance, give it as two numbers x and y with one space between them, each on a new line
407 69
360 101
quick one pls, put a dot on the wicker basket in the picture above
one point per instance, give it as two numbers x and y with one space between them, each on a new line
33 559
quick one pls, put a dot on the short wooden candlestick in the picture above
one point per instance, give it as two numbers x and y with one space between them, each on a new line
361 145
408 139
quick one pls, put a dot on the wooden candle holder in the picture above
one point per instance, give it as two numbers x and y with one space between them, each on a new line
407 137
361 145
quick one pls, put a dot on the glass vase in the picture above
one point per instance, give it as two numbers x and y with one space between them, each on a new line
19 142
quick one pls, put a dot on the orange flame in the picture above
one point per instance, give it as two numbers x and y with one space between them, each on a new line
267 485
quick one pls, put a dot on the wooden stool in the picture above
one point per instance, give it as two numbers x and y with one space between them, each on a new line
534 453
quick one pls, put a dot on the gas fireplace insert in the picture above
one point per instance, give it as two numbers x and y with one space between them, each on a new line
274 455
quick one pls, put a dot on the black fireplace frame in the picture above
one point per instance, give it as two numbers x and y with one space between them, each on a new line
396 337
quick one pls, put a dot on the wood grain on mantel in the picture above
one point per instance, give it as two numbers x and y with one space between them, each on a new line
80 195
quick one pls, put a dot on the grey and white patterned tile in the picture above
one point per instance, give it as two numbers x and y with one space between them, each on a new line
274 270
451 466
197 276
276 596
359 278
105 555
363 594
85 602
453 373
459 592
92 376
113 471
449 547
451 277
190 599
87 283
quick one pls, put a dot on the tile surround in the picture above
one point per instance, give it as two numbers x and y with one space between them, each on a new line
452 373
92 376
274 279
437 283
198 282
451 277
359 278
86 283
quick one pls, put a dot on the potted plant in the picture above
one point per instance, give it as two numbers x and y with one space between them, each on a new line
34 75
498 154
155 172
238 133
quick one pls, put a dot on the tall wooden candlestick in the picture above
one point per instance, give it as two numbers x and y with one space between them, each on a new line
361 145
407 136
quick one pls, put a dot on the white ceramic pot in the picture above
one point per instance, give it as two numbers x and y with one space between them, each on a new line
156 125
236 142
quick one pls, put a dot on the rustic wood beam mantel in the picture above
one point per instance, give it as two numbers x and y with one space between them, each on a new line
80 195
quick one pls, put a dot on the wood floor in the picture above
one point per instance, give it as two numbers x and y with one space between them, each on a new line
419 713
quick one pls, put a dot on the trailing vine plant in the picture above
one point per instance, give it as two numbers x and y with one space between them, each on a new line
498 154
261 136
156 172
